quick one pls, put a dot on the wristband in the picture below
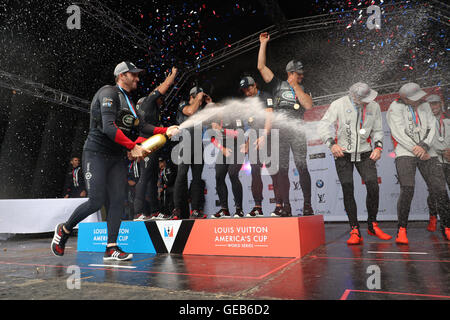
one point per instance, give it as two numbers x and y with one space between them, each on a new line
330 142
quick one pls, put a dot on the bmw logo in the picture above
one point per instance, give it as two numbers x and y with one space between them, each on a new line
319 183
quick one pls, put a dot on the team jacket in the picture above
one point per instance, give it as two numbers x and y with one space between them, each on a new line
114 127
441 140
410 128
350 120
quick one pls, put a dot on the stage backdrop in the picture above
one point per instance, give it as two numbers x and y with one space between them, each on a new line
327 198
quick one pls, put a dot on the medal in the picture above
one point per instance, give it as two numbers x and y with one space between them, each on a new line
417 129
136 122
362 131
441 139
296 106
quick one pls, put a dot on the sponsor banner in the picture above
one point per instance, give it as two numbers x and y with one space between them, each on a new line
133 237
266 237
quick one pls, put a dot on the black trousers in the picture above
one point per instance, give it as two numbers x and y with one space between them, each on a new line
368 172
433 175
295 141
148 180
106 180
257 184
222 191
431 204
180 189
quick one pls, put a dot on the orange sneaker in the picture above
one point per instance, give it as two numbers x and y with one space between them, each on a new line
401 236
378 232
432 224
447 233
355 237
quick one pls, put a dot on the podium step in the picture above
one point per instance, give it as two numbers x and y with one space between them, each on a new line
258 237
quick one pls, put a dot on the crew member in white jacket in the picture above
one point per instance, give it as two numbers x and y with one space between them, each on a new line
358 120
440 144
413 127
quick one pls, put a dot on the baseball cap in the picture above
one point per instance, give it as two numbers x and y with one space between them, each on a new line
195 90
412 91
246 82
434 98
294 66
126 66
363 92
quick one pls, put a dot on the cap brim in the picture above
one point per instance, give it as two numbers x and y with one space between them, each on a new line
372 95
135 70
419 95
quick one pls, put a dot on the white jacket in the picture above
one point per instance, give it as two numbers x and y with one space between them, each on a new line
440 146
406 133
349 135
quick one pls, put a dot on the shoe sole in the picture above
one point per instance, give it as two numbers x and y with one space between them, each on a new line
130 256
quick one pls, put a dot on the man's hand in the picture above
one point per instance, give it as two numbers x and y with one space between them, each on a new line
426 156
244 147
259 143
375 155
138 152
199 97
418 151
292 80
172 130
264 37
207 98
337 151
226 152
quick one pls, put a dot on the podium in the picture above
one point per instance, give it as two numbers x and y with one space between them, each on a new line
254 237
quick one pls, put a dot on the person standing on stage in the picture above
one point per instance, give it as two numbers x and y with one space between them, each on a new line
151 107
413 128
74 187
197 101
441 145
228 162
358 119
249 88
113 136
291 100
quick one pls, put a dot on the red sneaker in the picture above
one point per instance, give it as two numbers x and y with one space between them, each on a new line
432 224
401 236
355 237
447 233
378 232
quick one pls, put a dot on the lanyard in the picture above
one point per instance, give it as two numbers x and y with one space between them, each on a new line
293 93
361 120
415 115
129 103
440 125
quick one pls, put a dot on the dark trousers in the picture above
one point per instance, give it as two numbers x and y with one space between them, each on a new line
433 175
257 184
368 172
222 191
148 180
106 179
180 190
295 141
431 204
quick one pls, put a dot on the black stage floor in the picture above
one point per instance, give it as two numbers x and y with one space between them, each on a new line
334 271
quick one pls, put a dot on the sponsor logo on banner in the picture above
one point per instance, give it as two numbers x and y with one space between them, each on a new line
270 186
321 155
320 183
321 197
168 231
296 185
315 142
